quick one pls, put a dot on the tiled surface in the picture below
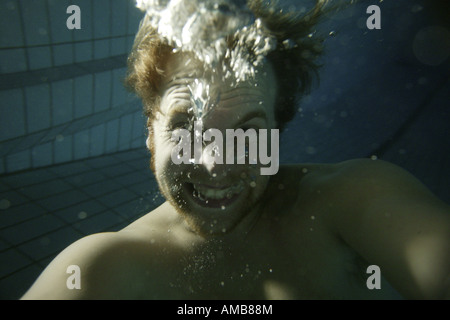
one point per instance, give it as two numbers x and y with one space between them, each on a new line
44 210
55 83
36 27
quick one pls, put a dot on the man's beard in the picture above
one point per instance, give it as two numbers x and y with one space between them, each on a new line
174 194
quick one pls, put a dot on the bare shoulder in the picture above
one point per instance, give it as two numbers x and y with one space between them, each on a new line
116 265
94 261
368 169
361 186
156 223
365 176
369 179
392 220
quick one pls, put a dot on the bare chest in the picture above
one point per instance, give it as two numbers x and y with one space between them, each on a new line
287 258
274 269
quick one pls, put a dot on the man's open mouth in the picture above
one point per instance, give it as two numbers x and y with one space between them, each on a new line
214 196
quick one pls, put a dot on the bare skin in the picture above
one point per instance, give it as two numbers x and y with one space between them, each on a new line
308 232
316 243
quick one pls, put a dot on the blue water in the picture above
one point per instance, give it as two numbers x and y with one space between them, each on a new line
72 140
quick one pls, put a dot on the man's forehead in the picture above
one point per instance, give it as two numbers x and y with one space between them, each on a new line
235 105
184 71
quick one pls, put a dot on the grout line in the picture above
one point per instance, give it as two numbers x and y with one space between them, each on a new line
80 124
24 39
63 42
39 263
125 219
50 36
30 170
77 188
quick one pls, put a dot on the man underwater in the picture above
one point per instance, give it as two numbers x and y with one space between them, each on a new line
228 232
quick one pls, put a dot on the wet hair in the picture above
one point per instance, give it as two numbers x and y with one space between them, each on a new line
293 61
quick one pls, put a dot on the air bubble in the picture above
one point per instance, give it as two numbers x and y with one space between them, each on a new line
431 45
416 8
82 215
311 150
202 27
288 44
42 31
5 204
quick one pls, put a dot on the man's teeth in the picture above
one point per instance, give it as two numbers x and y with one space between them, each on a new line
203 192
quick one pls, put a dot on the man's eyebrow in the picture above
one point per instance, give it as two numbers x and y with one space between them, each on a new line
178 80
181 79
178 109
180 102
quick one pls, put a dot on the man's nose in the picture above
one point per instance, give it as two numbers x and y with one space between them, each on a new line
208 161
208 148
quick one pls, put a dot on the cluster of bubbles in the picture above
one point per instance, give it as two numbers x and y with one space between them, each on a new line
202 28
201 98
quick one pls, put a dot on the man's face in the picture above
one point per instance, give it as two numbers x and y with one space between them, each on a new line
213 198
